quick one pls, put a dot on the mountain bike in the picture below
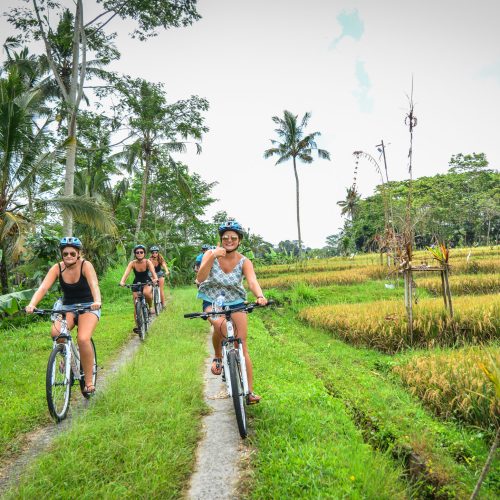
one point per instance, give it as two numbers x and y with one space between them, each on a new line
142 316
64 366
233 362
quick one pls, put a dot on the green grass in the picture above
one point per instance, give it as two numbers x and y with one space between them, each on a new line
299 369
138 439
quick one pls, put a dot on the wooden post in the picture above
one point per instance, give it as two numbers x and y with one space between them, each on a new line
448 291
443 290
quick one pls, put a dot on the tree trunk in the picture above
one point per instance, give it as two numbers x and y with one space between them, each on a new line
4 276
142 209
69 176
298 206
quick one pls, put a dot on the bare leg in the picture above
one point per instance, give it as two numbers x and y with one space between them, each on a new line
87 323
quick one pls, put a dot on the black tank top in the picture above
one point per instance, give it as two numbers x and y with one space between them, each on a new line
157 268
75 293
140 276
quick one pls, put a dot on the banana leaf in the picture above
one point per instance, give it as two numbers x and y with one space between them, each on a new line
9 303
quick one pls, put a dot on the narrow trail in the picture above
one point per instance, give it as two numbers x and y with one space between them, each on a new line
221 451
39 440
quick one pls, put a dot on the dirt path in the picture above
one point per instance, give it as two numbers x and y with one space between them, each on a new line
221 451
38 441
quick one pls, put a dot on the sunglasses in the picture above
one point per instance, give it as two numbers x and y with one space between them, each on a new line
154 251
66 254
139 252
232 238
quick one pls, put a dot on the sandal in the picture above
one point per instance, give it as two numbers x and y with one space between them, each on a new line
216 366
89 389
136 330
253 399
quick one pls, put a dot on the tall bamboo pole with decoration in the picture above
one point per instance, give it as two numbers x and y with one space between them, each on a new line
411 122
442 255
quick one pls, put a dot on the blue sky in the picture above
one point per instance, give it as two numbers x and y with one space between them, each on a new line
349 63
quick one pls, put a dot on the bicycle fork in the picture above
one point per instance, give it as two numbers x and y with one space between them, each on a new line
240 359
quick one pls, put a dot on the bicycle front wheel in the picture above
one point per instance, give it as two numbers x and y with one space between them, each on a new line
139 319
86 395
237 390
57 385
157 300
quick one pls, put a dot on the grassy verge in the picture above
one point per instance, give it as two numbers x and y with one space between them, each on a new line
23 362
307 444
136 440
320 392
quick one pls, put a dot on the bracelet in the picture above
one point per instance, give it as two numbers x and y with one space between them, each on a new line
260 297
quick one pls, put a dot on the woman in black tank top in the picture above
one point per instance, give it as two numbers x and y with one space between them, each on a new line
141 267
79 285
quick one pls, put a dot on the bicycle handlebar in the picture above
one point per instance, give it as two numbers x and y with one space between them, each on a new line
227 312
133 285
62 311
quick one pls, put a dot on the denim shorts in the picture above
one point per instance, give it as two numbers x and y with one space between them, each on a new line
59 306
206 304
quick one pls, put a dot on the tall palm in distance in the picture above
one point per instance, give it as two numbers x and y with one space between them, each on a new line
293 143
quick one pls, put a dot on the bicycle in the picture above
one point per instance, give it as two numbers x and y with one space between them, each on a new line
64 366
142 316
233 361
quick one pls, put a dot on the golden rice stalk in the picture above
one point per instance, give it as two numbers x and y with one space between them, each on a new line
383 325
453 384
463 284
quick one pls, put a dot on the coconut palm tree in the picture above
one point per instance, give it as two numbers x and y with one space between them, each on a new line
293 143
350 204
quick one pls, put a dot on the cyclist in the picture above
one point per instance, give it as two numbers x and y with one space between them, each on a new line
222 270
141 267
199 257
161 270
78 281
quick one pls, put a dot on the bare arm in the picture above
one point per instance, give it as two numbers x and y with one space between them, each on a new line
253 284
164 266
47 282
89 273
151 269
126 273
208 261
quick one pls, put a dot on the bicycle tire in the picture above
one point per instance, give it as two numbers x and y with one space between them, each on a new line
237 392
139 320
157 300
86 395
146 316
57 387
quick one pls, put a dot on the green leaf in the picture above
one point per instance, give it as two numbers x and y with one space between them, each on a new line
9 303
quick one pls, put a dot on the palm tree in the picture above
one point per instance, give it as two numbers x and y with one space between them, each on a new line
350 204
294 144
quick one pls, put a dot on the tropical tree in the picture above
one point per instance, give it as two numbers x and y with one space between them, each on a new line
295 144
350 204
157 129
68 51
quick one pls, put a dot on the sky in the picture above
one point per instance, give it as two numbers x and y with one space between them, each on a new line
350 64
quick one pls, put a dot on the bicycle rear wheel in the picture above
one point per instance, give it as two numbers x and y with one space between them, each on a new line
57 385
86 395
237 390
146 316
157 300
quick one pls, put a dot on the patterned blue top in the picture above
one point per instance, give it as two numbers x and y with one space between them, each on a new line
229 283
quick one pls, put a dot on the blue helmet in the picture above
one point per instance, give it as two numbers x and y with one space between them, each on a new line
140 246
231 225
205 247
154 248
70 241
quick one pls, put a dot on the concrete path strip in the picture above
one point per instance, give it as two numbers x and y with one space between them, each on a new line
220 452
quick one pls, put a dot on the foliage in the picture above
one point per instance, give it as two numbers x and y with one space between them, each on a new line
9 303
462 284
460 207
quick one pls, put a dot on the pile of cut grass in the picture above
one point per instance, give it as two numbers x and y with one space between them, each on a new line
453 385
383 325
463 284
137 439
